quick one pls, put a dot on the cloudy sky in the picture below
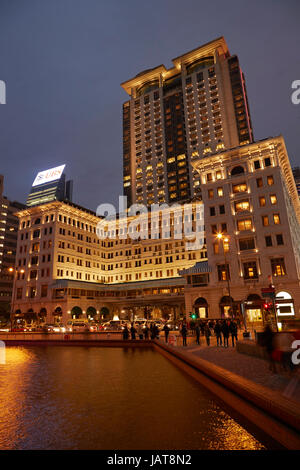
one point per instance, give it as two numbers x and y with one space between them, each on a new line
63 62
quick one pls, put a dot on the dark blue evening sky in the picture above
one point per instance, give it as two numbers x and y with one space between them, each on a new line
63 62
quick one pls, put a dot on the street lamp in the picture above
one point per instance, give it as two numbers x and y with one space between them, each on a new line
225 239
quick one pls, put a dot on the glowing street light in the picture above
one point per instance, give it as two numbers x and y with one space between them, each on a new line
225 239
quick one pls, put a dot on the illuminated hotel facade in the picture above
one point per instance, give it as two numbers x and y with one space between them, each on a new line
177 115
251 216
64 270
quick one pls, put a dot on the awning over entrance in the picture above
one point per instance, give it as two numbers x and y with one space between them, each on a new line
201 267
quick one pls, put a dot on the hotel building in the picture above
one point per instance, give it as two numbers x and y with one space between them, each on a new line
63 270
252 240
296 173
177 115
252 215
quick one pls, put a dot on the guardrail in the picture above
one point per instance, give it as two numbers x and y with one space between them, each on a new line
77 336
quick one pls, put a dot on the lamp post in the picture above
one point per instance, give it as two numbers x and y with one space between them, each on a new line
220 237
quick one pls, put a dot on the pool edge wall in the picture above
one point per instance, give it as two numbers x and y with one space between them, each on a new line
257 404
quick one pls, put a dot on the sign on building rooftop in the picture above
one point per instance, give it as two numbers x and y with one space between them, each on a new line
47 176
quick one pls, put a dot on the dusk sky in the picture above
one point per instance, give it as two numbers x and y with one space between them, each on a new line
63 62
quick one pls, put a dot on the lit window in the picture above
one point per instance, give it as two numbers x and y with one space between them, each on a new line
239 188
245 224
273 199
278 267
242 206
265 220
276 219
270 180
220 192
262 201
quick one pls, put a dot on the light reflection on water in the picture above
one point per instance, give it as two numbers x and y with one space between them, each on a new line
108 398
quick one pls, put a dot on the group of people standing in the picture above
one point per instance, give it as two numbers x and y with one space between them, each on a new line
141 331
222 330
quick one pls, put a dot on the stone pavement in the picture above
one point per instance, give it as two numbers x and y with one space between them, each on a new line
249 367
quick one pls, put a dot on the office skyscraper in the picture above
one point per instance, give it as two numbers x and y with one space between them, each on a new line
8 244
196 108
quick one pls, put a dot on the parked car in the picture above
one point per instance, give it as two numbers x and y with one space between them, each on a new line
80 326
94 326
59 328
48 327
173 326
114 325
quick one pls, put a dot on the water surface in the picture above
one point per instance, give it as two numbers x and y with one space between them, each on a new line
108 398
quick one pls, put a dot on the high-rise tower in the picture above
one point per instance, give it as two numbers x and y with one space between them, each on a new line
174 115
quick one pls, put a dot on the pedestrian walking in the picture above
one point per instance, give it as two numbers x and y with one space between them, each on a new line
140 332
207 334
225 332
152 331
132 331
198 331
184 334
268 343
166 329
233 331
218 333
125 333
146 332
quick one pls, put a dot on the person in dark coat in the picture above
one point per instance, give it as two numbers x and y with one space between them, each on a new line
207 334
132 331
268 342
152 331
218 333
225 332
167 331
197 331
202 326
156 332
233 331
125 333
184 334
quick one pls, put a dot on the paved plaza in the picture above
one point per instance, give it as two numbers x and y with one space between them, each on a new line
249 367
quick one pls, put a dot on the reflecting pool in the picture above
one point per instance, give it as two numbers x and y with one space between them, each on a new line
108 398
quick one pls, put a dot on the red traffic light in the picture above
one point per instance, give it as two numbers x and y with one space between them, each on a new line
267 306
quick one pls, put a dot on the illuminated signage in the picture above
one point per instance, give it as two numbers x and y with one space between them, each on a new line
48 175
